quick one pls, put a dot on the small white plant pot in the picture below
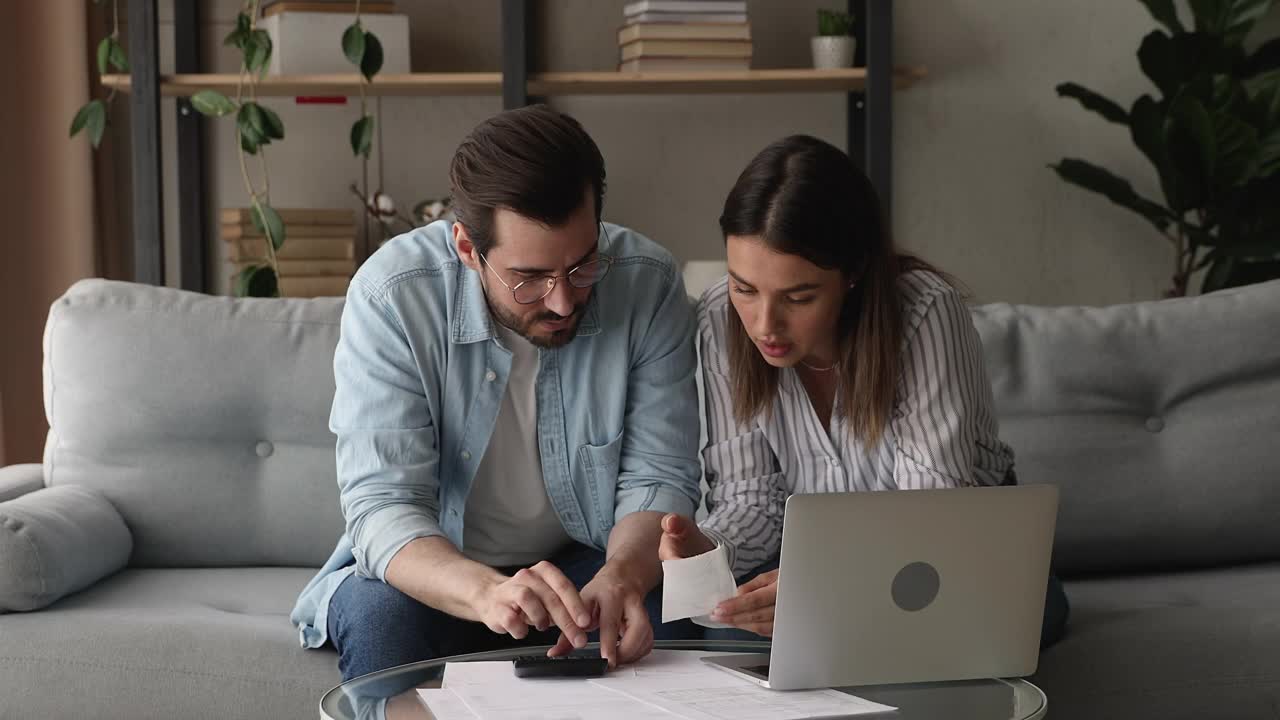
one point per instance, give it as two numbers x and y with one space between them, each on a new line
832 52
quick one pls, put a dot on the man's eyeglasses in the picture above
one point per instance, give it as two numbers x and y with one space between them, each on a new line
531 291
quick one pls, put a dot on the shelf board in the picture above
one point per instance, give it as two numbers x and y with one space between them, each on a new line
545 84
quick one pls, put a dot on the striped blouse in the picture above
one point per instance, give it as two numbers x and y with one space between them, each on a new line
942 432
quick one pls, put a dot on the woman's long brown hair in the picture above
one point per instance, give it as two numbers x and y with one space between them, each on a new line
805 197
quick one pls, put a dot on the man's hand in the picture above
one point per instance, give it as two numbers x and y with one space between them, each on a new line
540 596
618 605
752 608
681 538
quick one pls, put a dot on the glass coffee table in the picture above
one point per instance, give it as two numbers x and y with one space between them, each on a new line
392 693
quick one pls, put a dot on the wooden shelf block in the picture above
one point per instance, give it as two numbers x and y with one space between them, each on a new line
708 82
545 84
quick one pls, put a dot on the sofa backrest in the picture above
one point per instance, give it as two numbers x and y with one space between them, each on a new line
203 419
1158 421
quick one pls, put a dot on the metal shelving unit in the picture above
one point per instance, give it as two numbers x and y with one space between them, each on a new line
869 87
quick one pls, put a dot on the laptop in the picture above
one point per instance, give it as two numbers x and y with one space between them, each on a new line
907 586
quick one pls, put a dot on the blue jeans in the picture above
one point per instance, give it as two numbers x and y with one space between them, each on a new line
374 626
1056 609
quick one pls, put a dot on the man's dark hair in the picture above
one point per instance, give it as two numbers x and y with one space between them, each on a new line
534 161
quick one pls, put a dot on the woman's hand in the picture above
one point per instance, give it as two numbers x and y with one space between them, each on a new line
681 538
752 609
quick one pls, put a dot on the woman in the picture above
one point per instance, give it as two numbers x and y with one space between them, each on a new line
831 363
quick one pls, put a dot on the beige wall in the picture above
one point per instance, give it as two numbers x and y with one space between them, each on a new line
971 190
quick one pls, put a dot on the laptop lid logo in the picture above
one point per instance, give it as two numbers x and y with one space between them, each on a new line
915 586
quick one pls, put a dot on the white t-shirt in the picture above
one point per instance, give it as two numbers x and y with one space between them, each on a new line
509 518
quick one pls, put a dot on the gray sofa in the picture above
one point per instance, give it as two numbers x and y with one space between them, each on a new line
198 426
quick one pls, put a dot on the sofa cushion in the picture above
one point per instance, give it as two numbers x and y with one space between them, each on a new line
56 541
1158 422
203 419
18 480
1186 645
166 643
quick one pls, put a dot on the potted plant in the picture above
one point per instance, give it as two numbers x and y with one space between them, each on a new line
1212 133
833 47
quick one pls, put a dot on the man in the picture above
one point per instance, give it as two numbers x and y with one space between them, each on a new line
515 397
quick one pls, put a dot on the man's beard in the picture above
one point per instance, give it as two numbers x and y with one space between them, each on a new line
525 327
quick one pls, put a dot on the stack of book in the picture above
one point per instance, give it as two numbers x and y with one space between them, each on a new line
318 255
685 35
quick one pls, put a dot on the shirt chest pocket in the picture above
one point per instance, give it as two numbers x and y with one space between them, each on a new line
599 467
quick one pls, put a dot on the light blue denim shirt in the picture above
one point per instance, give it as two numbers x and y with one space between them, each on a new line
420 375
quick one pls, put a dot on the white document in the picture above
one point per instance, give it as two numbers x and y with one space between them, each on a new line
692 587
666 663
666 684
694 690
489 672
490 690
547 699
444 704
752 702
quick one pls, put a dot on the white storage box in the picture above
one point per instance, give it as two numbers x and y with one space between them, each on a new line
311 42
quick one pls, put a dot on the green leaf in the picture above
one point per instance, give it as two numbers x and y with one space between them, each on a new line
832 23
1269 153
1192 149
1165 13
1095 102
81 118
1248 213
1155 57
257 53
1171 62
1218 274
212 103
1116 189
1236 152
1226 94
250 125
236 39
239 37
353 44
268 222
117 57
1256 251
104 51
97 122
257 281
371 63
251 139
1147 128
252 118
362 136
248 143
1229 19
274 128
92 117
1263 60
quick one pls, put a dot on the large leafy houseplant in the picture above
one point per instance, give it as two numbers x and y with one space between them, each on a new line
1212 133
